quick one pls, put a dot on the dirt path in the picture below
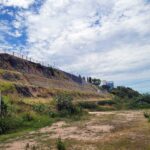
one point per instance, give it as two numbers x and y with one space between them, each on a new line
102 127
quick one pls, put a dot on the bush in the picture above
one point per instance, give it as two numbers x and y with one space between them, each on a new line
10 123
88 105
65 106
147 115
60 144
29 116
40 108
106 102
4 108
125 92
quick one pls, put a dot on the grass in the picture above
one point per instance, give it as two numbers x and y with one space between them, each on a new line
39 122
2 71
33 101
6 86
133 134
147 115
20 116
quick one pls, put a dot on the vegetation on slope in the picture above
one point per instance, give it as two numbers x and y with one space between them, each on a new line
18 116
127 98
123 99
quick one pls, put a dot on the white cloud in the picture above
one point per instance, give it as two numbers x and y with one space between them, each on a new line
103 38
17 3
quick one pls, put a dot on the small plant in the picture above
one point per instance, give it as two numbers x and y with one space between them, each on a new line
4 108
88 105
60 144
65 106
40 108
147 115
29 116
9 123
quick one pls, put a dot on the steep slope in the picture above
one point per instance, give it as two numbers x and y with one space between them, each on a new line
35 78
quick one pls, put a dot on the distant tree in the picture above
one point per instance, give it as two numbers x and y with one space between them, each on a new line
96 82
125 92
90 80
52 71
106 87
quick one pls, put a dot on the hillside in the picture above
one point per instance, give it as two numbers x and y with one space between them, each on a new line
33 79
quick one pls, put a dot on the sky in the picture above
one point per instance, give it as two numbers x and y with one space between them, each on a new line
106 39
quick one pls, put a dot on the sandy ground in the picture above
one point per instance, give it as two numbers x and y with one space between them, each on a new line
100 128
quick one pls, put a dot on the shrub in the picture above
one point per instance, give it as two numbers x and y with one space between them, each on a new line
63 102
6 86
60 144
4 108
65 106
52 114
40 108
125 92
9 123
147 115
88 105
106 102
29 116
52 71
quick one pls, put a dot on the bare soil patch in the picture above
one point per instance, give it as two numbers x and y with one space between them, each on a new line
104 130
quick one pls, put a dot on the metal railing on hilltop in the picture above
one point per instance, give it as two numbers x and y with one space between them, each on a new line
42 63
26 57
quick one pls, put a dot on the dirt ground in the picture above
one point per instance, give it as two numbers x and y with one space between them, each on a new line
115 130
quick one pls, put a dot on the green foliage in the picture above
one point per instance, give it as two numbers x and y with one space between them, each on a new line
147 115
28 116
60 144
40 108
11 120
127 98
136 102
4 108
106 102
6 86
96 106
88 105
125 92
52 71
9 123
65 106
64 102
96 82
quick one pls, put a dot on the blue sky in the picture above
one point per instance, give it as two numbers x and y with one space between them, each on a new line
108 39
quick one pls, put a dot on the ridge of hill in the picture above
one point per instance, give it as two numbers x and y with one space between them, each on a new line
33 79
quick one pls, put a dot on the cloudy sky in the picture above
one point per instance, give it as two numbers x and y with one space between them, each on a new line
108 39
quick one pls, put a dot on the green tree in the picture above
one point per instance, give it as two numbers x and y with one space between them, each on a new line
96 82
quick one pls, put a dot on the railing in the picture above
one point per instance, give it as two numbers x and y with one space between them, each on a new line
26 57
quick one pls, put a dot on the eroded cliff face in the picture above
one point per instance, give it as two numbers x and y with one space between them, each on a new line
26 73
